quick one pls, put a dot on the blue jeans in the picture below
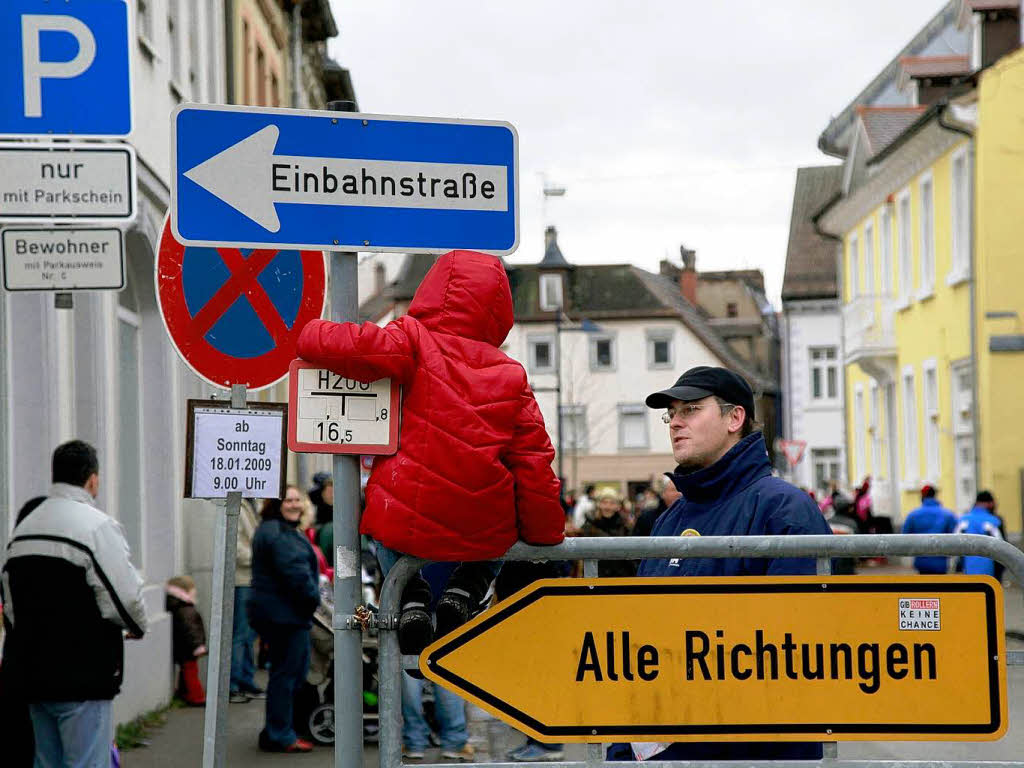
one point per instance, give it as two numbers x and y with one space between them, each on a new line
472 577
242 638
289 662
72 734
451 715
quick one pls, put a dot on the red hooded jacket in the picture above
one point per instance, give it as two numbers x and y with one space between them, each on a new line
472 474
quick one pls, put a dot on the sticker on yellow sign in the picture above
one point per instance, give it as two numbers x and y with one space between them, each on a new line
798 658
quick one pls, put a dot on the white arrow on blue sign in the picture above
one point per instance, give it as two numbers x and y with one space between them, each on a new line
250 177
66 68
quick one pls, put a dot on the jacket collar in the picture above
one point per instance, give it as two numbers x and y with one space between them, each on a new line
73 492
180 594
744 463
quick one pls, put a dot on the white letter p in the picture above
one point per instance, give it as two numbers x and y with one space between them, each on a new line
34 70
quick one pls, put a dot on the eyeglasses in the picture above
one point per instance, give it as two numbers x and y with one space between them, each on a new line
688 411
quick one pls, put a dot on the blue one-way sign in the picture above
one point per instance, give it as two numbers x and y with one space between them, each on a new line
255 177
66 68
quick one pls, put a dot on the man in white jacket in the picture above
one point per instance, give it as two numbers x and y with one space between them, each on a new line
71 592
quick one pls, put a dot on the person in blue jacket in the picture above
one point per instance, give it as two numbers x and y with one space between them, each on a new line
981 520
727 489
930 517
285 595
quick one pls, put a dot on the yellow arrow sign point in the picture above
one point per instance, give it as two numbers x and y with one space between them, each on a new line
774 658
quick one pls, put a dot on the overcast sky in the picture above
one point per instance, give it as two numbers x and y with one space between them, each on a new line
668 121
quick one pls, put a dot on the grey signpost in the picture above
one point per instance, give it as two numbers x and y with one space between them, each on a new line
348 650
222 620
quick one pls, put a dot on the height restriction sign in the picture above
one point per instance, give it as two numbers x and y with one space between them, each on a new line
235 314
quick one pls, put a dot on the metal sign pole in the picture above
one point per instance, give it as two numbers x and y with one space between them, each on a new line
348 649
221 622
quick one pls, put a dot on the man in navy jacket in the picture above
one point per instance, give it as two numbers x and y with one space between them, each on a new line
727 489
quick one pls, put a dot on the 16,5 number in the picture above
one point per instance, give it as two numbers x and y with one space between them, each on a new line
333 433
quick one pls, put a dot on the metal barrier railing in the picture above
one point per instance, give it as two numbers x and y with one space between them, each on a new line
590 550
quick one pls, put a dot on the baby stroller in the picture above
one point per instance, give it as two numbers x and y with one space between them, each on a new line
313 709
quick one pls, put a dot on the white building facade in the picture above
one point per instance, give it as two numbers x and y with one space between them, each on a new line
812 355
104 371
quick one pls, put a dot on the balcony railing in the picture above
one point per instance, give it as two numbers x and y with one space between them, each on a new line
868 327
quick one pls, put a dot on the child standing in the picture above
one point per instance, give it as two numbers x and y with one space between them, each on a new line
188 639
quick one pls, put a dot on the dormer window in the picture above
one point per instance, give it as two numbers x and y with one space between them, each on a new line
550 292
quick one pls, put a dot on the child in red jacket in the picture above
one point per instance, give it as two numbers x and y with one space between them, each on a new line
472 474
188 637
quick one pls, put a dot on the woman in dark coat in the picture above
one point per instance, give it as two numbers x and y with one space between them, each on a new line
285 594
608 519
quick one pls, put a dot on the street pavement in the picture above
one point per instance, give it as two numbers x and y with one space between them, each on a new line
180 742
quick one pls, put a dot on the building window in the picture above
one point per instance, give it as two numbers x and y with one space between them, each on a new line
550 292
826 468
875 430
174 41
927 287
144 19
961 218
824 373
732 309
574 428
885 265
246 64
602 353
869 259
932 447
195 40
976 34
903 254
541 358
129 418
859 430
261 77
963 434
911 461
659 349
633 426
854 267
275 94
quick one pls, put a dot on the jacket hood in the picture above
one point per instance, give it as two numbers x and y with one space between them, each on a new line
744 463
465 293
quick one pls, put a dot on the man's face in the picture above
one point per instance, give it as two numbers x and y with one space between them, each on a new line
92 485
328 494
700 433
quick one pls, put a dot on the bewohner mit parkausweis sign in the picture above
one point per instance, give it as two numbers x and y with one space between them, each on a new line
793 658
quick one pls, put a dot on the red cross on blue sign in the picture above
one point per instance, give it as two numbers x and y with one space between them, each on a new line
234 315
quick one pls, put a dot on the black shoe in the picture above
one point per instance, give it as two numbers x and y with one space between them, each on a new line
453 610
415 629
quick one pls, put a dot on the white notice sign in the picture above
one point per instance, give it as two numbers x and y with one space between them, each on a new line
63 259
920 614
67 182
233 449
328 413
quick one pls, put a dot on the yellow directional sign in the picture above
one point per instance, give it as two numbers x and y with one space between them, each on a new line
739 659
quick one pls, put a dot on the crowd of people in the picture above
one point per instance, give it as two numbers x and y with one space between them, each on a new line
848 514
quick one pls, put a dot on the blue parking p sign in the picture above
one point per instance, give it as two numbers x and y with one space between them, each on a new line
66 68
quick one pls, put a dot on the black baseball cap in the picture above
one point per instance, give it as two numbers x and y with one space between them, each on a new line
705 381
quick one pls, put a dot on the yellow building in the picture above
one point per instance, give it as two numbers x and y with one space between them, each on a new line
927 302
999 266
